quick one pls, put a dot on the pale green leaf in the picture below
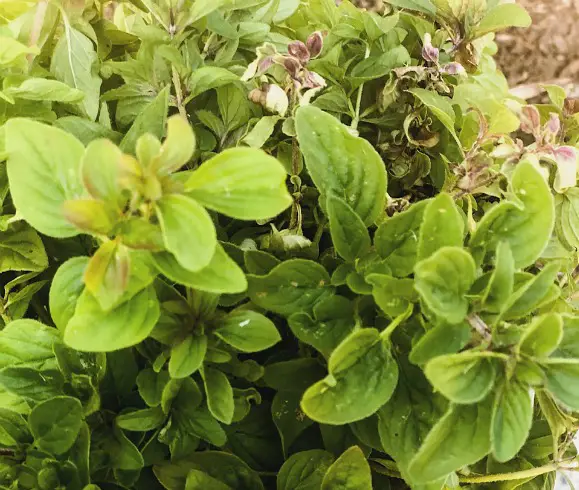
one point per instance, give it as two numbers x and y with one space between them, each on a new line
44 172
93 330
188 231
243 183
221 275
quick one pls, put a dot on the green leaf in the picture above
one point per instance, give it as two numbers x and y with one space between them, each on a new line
28 343
43 170
261 132
75 62
188 231
557 95
462 378
202 8
561 381
197 480
342 164
349 234
525 224
227 468
178 147
219 394
67 286
21 249
424 6
221 275
233 106
40 89
461 437
332 322
443 280
542 337
247 331
440 340
361 377
187 356
396 239
512 420
288 417
30 383
12 52
123 453
406 419
440 106
13 428
209 77
531 293
293 285
442 226
243 183
502 17
101 172
55 423
304 470
501 283
93 330
379 66
151 385
151 120
392 295
141 420
350 471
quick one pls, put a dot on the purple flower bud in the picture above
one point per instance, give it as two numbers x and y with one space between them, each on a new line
300 51
553 126
530 120
566 155
429 52
313 80
292 66
453 69
264 64
315 43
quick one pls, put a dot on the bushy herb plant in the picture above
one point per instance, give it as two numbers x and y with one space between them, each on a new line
281 244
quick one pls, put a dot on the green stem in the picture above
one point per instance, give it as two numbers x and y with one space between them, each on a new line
179 93
356 119
389 330
516 475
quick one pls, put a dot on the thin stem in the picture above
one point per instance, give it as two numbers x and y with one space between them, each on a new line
356 118
179 92
296 213
516 475
389 330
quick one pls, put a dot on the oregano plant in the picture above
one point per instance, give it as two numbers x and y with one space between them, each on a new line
282 244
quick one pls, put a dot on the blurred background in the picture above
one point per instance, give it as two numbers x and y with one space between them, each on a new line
547 52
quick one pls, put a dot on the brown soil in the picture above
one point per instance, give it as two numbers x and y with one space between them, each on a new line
548 51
